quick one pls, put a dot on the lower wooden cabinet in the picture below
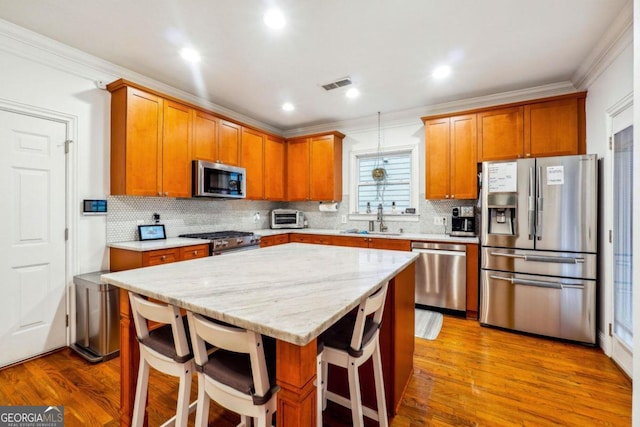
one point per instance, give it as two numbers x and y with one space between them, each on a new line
278 239
124 259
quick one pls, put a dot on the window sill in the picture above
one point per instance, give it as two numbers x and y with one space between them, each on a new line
387 217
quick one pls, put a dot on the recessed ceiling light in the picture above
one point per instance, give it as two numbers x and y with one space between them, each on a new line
287 106
441 72
274 18
190 54
352 93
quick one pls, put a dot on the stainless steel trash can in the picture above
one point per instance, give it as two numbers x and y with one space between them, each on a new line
97 318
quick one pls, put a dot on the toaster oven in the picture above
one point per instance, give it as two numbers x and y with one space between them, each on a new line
287 218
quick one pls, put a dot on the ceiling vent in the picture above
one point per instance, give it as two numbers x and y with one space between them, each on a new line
346 81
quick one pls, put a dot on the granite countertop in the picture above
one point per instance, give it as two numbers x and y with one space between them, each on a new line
403 236
152 245
290 292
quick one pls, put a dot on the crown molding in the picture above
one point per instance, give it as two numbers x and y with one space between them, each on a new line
35 47
619 36
412 116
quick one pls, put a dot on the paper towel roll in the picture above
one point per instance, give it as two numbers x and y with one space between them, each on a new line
328 207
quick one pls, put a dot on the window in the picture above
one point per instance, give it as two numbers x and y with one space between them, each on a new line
398 186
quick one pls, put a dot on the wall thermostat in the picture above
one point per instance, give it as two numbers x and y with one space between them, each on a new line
94 207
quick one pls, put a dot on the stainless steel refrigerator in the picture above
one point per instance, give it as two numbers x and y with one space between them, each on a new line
539 244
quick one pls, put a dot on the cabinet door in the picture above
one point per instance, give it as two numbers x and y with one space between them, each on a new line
500 134
325 181
176 151
351 241
298 169
143 159
229 143
551 128
205 137
463 145
162 256
252 159
277 239
436 138
274 157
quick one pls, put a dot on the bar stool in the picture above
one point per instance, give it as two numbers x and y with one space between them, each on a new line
239 375
167 350
349 343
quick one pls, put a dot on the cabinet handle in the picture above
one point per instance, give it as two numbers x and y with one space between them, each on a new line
446 196
453 196
160 193
166 194
195 252
162 258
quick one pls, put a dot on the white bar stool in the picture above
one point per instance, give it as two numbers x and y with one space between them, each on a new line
167 350
349 343
239 375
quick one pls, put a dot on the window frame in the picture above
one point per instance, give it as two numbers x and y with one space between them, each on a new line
414 183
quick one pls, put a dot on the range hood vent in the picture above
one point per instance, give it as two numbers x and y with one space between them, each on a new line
346 81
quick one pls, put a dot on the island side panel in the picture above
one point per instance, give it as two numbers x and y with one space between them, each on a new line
129 361
397 343
296 374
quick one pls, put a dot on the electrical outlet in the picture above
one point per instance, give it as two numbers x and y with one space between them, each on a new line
344 219
439 220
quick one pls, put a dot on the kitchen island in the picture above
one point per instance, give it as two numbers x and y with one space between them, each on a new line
292 293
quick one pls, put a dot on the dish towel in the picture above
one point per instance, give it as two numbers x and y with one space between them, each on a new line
428 324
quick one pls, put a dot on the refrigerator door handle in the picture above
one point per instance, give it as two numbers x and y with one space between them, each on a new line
539 207
532 212
541 258
524 257
537 283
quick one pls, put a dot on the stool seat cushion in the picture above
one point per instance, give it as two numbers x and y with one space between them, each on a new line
339 335
234 370
161 340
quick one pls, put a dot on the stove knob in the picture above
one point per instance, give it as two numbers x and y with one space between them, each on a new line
224 243
239 241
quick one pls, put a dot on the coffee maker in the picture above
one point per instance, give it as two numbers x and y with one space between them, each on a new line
463 221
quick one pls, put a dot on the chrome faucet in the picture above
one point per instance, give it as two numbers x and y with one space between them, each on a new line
380 218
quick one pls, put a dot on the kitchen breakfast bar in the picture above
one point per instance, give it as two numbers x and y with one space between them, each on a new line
290 292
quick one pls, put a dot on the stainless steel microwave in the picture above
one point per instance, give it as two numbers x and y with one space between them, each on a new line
218 180
287 218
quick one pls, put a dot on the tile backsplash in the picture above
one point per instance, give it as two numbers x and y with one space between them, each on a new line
198 215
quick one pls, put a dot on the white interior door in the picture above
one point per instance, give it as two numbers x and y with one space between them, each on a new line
32 236
622 331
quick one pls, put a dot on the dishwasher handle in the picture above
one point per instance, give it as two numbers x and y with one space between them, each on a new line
439 252
438 246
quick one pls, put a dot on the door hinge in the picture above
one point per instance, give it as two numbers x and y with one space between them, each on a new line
610 143
610 330
610 236
66 145
66 234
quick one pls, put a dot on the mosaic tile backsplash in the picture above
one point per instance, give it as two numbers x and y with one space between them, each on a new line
182 216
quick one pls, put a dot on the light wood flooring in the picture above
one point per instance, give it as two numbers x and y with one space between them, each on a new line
468 376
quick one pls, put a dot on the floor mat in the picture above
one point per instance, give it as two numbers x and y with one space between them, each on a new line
428 324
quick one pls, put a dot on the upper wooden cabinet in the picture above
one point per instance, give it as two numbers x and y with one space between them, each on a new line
450 149
229 143
500 134
553 126
150 144
314 167
274 172
205 136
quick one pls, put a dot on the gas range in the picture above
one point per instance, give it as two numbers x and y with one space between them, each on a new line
227 241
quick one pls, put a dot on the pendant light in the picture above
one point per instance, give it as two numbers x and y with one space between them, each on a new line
379 174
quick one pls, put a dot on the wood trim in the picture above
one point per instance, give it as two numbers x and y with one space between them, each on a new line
472 281
579 95
129 361
316 135
296 373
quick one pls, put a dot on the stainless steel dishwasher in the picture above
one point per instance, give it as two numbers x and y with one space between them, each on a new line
441 275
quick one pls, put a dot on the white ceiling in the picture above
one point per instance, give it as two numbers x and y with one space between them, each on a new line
388 48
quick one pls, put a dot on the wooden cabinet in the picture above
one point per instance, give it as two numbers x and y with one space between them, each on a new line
500 134
314 167
278 239
229 143
263 157
205 136
318 239
473 284
372 242
554 128
274 168
124 259
450 149
150 144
